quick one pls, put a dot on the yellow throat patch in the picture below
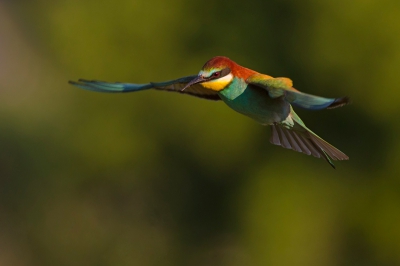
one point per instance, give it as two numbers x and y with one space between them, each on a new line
218 84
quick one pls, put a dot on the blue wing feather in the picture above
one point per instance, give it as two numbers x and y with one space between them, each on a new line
100 86
172 85
282 87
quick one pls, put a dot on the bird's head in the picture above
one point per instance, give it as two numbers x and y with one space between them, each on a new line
215 75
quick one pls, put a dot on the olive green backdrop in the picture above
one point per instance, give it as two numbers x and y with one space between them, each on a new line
153 178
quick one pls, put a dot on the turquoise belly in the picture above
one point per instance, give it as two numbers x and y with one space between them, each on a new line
255 102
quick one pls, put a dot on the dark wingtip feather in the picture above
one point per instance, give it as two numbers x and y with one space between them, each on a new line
339 102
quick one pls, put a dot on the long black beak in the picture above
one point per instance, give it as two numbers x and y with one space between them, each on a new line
196 80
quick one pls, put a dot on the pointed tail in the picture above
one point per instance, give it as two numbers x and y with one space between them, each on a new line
299 138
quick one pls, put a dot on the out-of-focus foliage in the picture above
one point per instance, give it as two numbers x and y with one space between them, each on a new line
162 179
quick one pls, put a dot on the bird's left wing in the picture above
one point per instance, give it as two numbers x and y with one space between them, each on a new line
278 87
172 85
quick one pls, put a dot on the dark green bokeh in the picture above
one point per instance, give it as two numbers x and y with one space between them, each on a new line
163 179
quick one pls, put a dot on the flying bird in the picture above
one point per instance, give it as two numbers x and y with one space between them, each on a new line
266 99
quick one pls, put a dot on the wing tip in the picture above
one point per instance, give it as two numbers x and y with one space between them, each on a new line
339 102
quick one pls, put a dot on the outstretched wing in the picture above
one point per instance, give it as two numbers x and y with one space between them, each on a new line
172 85
278 87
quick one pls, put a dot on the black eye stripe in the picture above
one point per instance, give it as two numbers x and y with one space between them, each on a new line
221 73
225 71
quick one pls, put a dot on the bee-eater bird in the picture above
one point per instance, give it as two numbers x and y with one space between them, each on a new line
266 99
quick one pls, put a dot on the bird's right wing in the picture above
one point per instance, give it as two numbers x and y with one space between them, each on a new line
172 85
278 87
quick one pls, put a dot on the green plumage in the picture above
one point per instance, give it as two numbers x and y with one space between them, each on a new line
254 102
263 98
288 130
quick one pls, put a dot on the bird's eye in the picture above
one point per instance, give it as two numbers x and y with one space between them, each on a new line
216 74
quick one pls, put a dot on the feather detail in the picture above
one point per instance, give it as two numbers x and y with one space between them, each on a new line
282 87
303 146
173 85
313 149
305 141
284 141
293 142
274 136
339 102
333 152
223 62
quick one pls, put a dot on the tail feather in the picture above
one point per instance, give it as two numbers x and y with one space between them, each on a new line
303 146
275 137
305 141
333 152
293 143
314 150
284 141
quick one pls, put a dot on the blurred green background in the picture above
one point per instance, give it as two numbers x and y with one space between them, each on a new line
154 178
